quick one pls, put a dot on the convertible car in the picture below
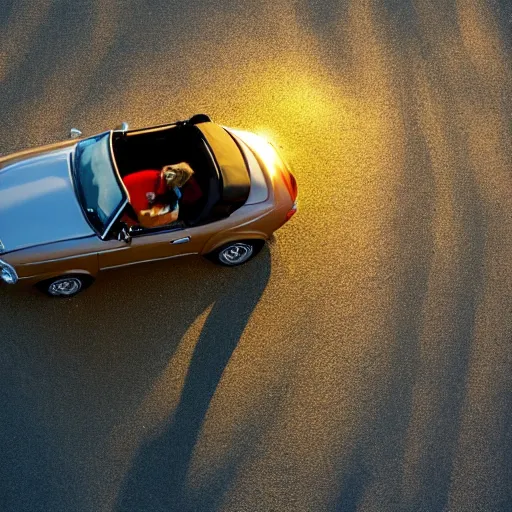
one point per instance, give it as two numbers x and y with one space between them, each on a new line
64 207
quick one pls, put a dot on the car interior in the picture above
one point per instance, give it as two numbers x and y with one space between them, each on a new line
156 147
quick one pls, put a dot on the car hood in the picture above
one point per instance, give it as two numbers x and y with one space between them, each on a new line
38 204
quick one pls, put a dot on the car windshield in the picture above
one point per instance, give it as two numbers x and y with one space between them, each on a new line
99 191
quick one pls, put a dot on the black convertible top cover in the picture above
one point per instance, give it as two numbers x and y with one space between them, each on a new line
236 182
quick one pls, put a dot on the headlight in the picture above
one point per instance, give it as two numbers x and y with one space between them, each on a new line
7 273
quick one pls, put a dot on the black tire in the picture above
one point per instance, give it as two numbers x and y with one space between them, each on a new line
236 253
65 286
200 118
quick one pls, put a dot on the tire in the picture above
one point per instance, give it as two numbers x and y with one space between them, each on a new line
199 118
236 253
65 286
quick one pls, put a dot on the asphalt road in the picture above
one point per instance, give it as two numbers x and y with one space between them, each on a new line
364 360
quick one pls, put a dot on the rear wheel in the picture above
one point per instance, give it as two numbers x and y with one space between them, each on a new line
236 253
65 286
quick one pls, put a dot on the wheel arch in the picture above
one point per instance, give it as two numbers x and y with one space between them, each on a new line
221 239
41 278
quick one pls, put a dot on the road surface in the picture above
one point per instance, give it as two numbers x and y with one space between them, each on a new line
363 361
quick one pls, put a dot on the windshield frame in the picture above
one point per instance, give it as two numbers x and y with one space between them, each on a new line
115 171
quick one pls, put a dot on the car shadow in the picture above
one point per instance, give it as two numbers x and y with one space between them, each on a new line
72 371
157 479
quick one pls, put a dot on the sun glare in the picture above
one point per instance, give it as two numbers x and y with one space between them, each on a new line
262 147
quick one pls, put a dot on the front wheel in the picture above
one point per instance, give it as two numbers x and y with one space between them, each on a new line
236 253
65 286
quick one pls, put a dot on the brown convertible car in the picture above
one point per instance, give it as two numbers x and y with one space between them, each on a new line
66 212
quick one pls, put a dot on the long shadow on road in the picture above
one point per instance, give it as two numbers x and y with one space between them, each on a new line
73 371
157 480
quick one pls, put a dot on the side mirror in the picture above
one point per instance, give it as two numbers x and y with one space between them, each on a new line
75 133
124 235
123 127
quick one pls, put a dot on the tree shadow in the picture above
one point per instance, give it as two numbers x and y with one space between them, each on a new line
353 484
157 479
6 10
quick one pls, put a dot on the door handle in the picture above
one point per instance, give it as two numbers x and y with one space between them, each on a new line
181 240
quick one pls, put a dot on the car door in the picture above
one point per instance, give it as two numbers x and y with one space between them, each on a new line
200 235
146 246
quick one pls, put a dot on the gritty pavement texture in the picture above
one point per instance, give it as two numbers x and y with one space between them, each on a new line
363 361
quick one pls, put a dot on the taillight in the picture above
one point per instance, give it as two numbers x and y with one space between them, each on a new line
292 211
291 184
